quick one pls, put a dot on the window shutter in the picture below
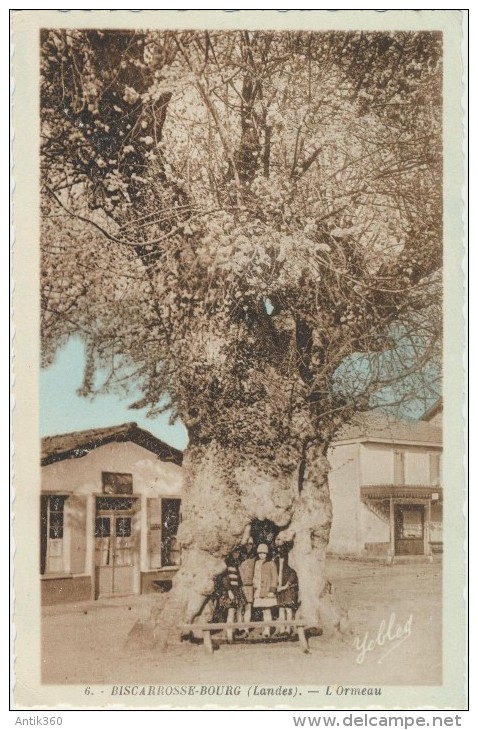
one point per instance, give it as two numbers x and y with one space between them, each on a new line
171 515
43 532
434 468
154 531
398 467
75 519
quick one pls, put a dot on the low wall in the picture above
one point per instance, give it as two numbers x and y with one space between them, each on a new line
377 548
158 581
65 590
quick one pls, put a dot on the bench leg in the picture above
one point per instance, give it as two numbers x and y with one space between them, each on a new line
304 644
207 642
231 615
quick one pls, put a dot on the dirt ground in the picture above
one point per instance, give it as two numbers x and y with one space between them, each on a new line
85 642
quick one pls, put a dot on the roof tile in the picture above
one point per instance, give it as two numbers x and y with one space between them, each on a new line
378 425
79 443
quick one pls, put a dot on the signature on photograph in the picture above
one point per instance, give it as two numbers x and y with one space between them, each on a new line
390 635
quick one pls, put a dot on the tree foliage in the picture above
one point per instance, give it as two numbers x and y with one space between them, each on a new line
248 224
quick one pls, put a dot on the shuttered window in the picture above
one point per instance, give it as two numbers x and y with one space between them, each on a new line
154 532
52 518
435 468
399 467
163 524
170 514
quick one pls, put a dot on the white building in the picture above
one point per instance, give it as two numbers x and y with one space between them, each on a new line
385 486
111 497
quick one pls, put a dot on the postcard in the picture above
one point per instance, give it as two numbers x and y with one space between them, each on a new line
239 473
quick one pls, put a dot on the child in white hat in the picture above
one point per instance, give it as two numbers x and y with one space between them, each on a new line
264 584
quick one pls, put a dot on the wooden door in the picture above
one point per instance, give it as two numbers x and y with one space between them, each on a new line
409 529
115 554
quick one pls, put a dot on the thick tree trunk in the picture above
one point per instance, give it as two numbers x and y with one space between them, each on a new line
311 523
220 501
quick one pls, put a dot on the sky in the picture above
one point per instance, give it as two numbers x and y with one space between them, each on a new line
62 410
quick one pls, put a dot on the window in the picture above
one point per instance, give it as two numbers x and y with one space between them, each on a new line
102 527
163 523
170 526
117 483
435 468
52 557
123 527
108 504
399 467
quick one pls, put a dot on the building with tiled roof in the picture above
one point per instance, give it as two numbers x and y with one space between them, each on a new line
110 502
110 510
385 486
80 443
380 427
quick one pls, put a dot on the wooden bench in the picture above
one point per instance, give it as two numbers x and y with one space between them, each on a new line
207 628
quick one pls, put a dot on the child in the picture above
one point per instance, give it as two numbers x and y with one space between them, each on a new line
264 585
232 598
288 587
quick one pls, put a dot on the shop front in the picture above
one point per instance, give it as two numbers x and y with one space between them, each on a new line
414 514
110 510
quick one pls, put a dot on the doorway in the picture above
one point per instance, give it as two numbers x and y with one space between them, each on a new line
115 553
409 529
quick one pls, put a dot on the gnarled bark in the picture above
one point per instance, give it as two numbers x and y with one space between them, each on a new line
220 501
311 523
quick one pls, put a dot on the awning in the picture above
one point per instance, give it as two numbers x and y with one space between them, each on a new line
401 491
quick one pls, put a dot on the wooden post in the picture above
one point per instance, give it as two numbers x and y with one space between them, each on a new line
208 642
426 531
392 529
304 644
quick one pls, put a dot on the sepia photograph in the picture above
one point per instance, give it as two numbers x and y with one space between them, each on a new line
241 493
